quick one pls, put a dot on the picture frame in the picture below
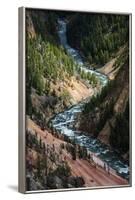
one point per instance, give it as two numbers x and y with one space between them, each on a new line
108 171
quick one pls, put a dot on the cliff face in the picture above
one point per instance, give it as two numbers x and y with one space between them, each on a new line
107 115
29 26
120 94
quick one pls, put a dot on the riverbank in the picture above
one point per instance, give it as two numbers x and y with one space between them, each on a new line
93 173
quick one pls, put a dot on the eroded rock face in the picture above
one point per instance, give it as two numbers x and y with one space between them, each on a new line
30 27
119 93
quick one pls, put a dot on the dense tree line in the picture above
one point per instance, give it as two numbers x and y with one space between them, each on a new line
46 63
90 77
46 60
98 36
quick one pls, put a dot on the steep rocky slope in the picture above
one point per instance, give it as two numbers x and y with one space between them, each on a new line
110 110
52 81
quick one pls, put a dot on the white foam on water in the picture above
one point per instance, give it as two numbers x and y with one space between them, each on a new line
64 123
123 170
67 131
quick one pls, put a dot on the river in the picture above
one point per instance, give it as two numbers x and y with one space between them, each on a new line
63 122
